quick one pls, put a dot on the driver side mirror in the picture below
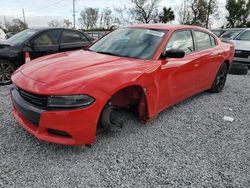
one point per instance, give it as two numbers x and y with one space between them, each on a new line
174 53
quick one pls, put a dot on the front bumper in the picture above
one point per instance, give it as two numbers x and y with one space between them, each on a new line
71 127
245 61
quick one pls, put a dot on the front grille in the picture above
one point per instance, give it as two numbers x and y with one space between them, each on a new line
29 112
36 100
242 53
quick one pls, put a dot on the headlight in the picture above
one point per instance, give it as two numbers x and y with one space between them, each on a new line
73 101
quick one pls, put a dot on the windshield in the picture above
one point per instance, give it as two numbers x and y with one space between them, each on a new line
230 34
244 36
136 43
19 38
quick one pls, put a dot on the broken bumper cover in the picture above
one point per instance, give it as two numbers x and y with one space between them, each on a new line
67 127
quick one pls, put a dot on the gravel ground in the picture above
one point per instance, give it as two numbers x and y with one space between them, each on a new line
188 145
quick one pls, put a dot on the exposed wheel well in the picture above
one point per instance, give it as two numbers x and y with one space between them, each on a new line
131 97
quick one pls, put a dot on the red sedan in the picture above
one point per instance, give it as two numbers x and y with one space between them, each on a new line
61 98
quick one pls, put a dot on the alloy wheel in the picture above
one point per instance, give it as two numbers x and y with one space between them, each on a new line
6 71
221 78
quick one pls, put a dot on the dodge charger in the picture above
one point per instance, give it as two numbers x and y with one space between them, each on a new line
63 98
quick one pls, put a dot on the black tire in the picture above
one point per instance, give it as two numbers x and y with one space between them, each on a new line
108 120
220 79
6 70
238 69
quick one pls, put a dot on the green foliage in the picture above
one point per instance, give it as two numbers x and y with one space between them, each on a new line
248 24
238 13
198 12
167 15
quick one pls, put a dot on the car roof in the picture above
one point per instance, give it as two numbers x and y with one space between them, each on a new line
165 26
51 28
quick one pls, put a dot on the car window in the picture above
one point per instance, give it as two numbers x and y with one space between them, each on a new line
139 43
230 34
182 40
47 38
244 36
22 36
202 40
73 36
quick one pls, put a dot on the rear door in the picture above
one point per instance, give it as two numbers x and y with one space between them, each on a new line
208 59
73 40
44 43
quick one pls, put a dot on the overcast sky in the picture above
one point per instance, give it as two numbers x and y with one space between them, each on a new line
38 13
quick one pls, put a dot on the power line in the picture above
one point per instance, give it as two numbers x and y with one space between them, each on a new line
38 9
57 7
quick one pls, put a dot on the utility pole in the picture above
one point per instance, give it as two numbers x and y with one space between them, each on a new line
24 21
5 22
74 15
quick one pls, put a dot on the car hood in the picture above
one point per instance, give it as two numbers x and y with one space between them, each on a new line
241 45
75 68
4 44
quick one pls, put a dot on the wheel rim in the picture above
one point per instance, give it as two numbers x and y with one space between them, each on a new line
221 78
109 120
6 71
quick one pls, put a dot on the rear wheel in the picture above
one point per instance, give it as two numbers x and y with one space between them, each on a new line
6 70
220 79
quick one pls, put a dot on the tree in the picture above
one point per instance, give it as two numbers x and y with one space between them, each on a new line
197 12
67 23
144 11
122 16
106 18
54 23
184 13
88 18
167 15
238 13
16 26
212 8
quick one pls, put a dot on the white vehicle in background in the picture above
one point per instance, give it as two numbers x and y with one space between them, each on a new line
242 47
2 35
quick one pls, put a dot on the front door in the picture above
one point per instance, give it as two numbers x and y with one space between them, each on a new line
44 44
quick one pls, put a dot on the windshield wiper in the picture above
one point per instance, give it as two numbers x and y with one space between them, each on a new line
107 53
